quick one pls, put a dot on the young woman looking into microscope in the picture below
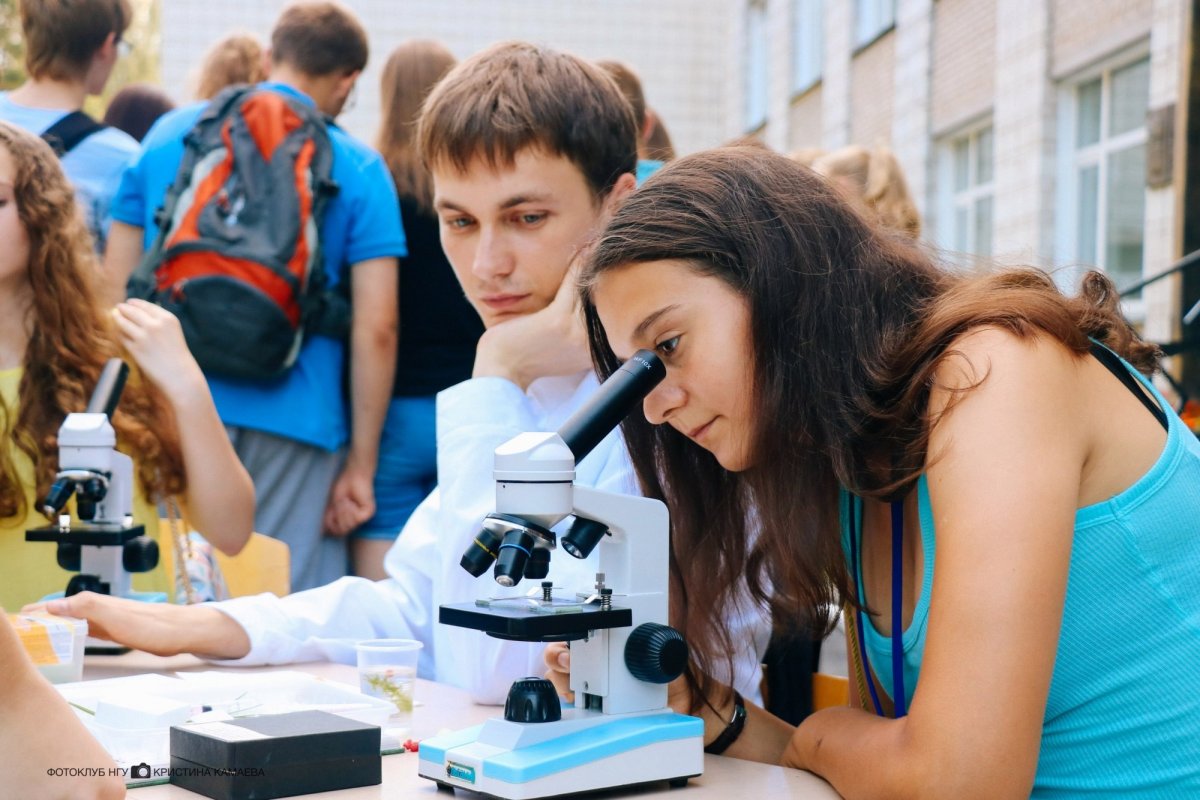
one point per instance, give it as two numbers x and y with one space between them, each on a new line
976 467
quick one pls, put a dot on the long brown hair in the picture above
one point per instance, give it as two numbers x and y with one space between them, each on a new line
849 322
411 72
70 339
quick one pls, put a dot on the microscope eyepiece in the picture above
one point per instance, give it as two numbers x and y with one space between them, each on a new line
612 402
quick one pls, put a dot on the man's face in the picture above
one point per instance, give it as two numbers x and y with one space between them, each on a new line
510 232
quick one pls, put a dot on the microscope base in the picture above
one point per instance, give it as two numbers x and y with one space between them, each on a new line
583 752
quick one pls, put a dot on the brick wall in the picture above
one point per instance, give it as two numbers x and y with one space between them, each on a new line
804 119
1088 30
872 90
964 61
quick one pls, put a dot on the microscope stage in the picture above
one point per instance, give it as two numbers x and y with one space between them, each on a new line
534 622
87 533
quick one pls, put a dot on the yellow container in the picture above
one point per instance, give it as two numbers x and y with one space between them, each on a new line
55 644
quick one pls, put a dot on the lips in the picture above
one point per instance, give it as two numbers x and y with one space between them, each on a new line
503 302
696 433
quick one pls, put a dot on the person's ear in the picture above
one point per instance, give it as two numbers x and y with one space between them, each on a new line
624 187
345 84
108 48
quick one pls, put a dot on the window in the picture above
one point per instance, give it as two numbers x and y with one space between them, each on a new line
756 65
808 21
871 18
1104 147
966 191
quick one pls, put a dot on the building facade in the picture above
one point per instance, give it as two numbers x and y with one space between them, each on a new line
677 47
1030 131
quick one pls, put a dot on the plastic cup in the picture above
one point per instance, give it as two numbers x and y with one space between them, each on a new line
387 669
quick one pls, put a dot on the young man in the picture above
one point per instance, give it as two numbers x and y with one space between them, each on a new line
70 50
519 193
290 432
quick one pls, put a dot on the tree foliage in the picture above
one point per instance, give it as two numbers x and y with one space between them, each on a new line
142 65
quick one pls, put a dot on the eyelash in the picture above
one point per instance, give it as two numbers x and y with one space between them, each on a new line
662 348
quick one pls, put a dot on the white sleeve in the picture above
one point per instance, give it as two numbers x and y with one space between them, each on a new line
324 623
473 419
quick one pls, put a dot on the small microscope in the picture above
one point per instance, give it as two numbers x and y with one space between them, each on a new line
104 546
620 731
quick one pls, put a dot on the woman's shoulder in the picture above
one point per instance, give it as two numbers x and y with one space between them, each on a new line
979 352
1007 369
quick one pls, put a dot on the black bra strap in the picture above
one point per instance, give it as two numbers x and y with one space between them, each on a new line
1109 359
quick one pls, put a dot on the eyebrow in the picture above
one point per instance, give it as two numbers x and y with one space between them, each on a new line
650 319
511 202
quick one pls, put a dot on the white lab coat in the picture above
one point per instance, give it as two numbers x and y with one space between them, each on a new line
473 418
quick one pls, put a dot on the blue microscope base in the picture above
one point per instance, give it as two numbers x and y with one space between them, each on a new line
582 753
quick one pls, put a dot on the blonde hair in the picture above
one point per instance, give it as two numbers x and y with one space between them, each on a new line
238 58
806 155
876 181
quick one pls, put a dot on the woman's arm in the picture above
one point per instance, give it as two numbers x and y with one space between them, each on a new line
39 733
1004 478
219 500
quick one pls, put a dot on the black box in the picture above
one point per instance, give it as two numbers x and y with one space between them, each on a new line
275 755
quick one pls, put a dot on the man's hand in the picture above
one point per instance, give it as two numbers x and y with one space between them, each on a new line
158 628
351 500
548 342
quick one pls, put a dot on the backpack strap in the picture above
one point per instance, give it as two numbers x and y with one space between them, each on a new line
64 135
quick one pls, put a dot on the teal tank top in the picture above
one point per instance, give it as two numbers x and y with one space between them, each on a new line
1123 714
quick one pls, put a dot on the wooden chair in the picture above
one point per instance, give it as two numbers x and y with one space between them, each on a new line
263 565
829 691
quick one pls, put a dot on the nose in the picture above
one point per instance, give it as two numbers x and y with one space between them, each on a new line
493 258
663 402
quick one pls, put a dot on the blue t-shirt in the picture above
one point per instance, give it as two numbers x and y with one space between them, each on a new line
93 166
362 221
647 167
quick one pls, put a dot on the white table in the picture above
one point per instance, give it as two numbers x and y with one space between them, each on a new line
446 708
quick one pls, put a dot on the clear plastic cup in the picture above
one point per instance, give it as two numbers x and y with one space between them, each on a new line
387 669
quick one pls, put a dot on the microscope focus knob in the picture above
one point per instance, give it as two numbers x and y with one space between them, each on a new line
140 554
656 653
532 700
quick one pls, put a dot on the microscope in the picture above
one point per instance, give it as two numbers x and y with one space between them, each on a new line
623 654
104 546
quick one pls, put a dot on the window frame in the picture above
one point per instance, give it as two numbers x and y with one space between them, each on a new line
882 18
756 99
1072 160
804 75
950 199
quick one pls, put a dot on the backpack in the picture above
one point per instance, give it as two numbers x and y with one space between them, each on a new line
69 131
237 257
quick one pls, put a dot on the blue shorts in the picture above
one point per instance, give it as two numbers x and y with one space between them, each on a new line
407 470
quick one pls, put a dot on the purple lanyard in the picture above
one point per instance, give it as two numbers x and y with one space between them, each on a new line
898 702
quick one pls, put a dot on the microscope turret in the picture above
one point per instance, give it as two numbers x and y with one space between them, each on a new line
104 546
623 653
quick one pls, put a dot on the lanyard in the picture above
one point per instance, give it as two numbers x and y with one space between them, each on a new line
899 701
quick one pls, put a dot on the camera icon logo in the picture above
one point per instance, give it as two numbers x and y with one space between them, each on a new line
140 771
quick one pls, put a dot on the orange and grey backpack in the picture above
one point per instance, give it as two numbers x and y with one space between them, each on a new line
237 257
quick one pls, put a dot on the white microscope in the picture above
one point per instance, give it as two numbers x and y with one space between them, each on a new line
623 654
104 546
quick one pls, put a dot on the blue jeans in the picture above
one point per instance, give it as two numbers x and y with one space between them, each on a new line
407 470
